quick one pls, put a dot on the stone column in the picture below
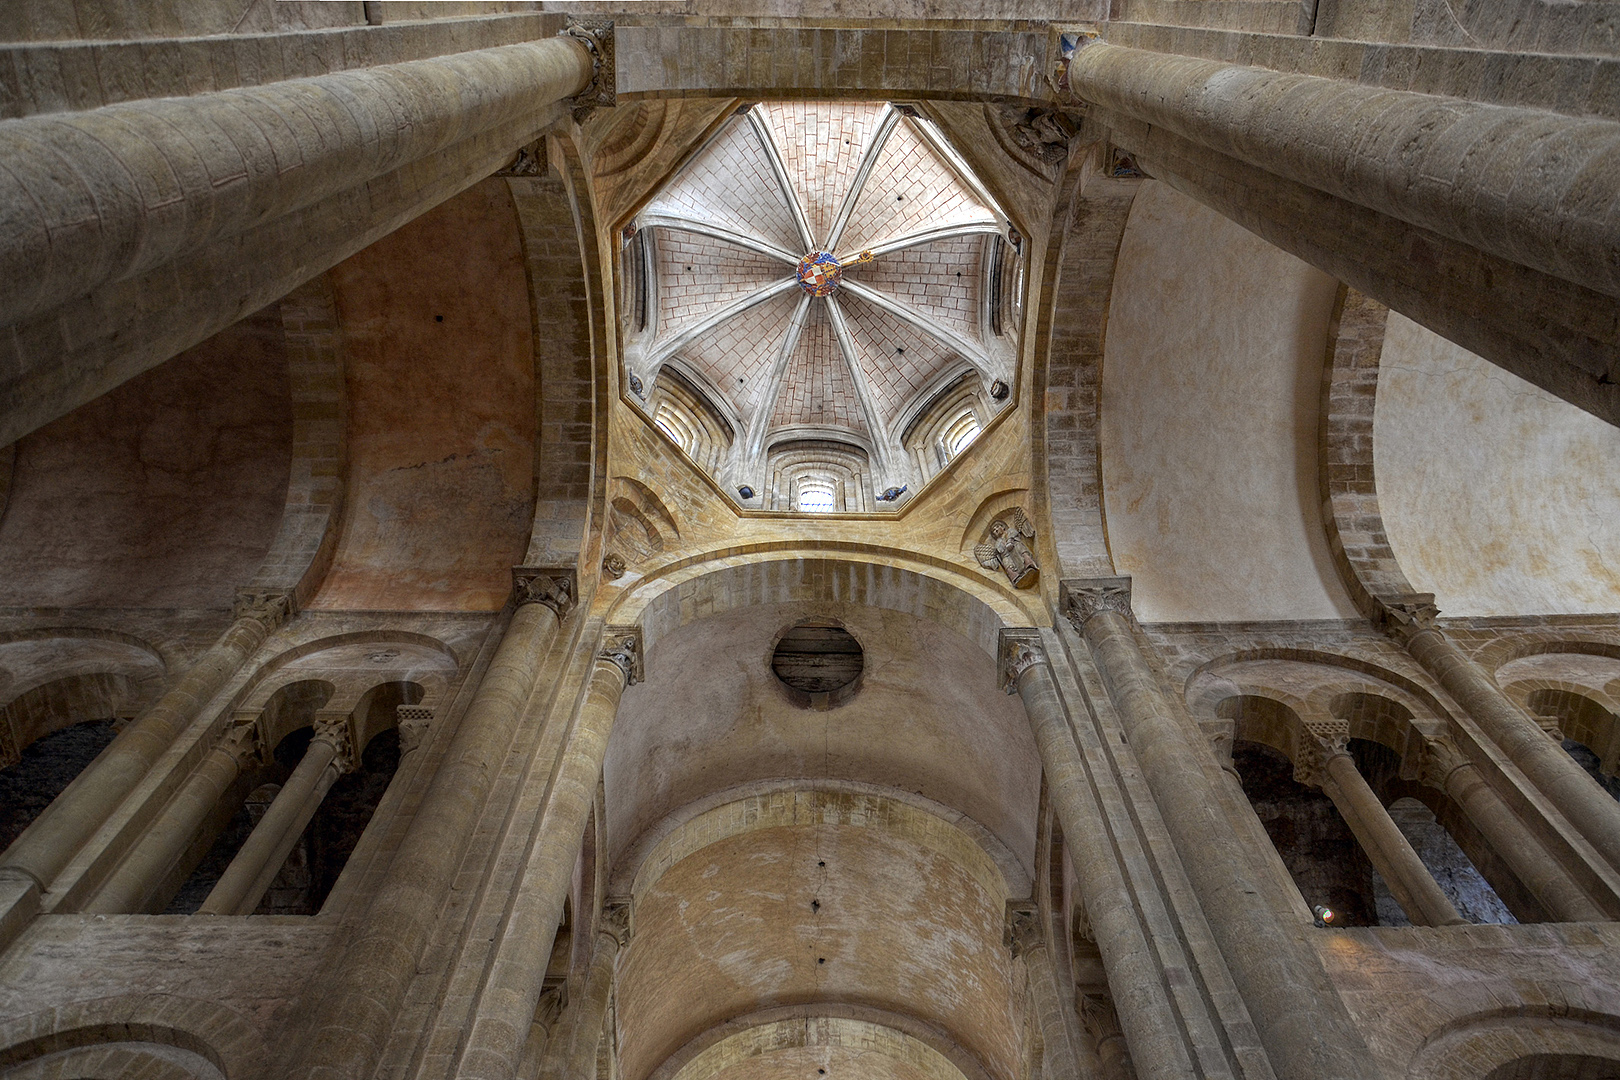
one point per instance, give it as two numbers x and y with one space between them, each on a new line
1065 1057
512 989
1588 807
330 755
1150 1022
363 994
546 1016
1102 1023
50 843
1386 846
1298 1014
1445 767
573 1052
131 885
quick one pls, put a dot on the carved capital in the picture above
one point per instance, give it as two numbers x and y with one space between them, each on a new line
1314 753
530 160
334 730
1085 598
1441 758
1080 922
1021 649
550 1006
1021 929
268 606
621 646
1097 1013
242 739
554 587
413 722
1410 615
615 920
602 91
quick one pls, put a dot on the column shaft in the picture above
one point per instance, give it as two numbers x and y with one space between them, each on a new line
73 817
1587 806
1299 1016
1386 846
1516 847
130 887
256 865
1066 1057
512 988
572 1054
364 994
1146 1014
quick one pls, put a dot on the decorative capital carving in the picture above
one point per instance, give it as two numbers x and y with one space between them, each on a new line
1020 651
614 565
242 740
1097 1013
1003 548
1080 922
528 161
10 752
602 91
1441 758
1315 751
268 606
1083 598
550 1006
1021 929
334 729
615 920
554 587
1410 615
413 722
621 646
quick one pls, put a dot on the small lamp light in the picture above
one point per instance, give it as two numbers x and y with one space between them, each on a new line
1325 916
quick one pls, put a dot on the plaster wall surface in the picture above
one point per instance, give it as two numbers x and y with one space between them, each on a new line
817 914
440 370
164 493
1497 497
928 719
1210 386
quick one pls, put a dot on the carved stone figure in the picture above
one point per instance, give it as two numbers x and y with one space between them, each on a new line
1005 550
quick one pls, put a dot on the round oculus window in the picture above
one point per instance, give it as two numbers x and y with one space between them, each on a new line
818 663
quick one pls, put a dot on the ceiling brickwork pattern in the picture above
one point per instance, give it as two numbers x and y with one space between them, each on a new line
909 233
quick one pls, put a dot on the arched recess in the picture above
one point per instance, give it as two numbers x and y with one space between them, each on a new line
1513 1047
53 678
840 1042
569 302
353 664
1070 329
805 899
210 1040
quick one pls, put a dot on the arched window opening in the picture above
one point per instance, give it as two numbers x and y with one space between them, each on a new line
1409 805
1590 734
683 411
1318 848
816 496
44 768
947 425
331 815
818 476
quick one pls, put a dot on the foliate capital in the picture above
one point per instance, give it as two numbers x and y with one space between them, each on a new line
333 729
621 646
1410 615
1097 1013
602 91
1441 758
1020 650
554 587
268 606
615 920
1084 598
413 722
1316 749
1021 930
242 740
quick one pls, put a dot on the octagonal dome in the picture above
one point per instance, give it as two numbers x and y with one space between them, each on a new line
821 306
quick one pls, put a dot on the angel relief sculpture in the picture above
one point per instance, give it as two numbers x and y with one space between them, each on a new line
1004 549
